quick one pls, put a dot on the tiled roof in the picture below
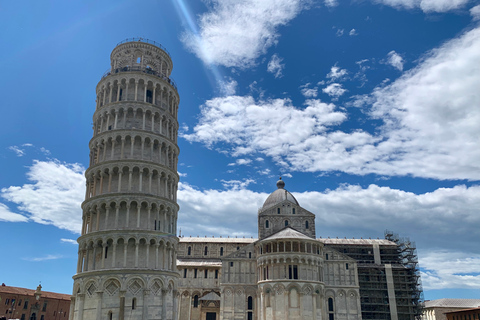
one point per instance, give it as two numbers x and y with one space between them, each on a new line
216 240
199 263
453 303
287 233
326 241
212 296
381 242
30 292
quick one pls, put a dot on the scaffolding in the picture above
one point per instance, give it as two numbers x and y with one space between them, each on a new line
374 296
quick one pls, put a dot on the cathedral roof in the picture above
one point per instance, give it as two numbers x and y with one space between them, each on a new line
288 233
279 196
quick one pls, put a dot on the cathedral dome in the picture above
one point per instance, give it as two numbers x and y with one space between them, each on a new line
279 196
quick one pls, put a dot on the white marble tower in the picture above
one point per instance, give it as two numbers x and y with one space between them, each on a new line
127 249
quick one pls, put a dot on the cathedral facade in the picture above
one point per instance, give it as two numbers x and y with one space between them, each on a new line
131 264
284 274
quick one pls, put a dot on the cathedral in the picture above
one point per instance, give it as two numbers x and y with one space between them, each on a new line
132 265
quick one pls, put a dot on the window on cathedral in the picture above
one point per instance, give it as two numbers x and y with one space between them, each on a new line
238 248
139 60
231 264
25 305
184 273
106 252
249 255
293 272
110 315
20 302
250 303
330 304
189 251
206 274
155 225
293 210
221 251
267 224
346 266
195 272
44 306
326 256
206 250
278 210
216 274
195 301
306 224
134 303
286 223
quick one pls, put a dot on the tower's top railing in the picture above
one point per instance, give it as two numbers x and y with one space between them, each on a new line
144 70
139 39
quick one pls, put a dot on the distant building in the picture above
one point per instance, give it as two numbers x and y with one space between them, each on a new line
467 314
28 304
437 309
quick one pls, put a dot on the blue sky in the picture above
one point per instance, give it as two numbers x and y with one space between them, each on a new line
369 110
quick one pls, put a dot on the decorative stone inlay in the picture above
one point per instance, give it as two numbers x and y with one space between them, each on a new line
91 289
134 287
228 292
156 287
111 288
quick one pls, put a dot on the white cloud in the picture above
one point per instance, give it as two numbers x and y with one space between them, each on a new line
19 152
336 73
71 241
241 162
234 33
449 270
45 151
331 3
47 257
334 90
228 87
309 92
181 174
264 172
275 66
426 6
9 216
53 196
430 123
475 12
339 32
395 60
288 175
353 32
237 184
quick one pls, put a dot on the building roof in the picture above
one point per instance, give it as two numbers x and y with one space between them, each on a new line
288 233
464 310
382 242
326 241
453 303
199 263
212 239
30 292
279 196
211 296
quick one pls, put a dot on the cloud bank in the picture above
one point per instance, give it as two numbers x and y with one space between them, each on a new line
429 123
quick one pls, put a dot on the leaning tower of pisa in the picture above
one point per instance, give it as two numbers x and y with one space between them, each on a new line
127 249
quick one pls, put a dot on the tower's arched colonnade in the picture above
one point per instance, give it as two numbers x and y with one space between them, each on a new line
127 249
